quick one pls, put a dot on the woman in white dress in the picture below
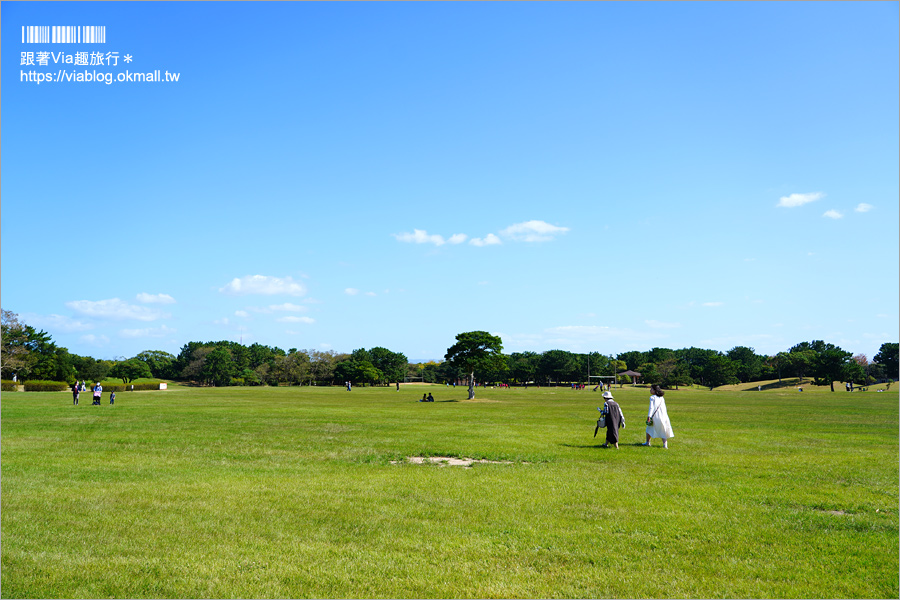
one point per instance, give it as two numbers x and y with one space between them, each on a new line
661 427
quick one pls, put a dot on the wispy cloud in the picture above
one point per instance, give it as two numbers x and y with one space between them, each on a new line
661 324
95 340
56 323
833 214
272 308
712 304
293 319
420 236
351 291
527 231
488 240
533 231
795 200
862 207
264 285
155 298
114 309
154 332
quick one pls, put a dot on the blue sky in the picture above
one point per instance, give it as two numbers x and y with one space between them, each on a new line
584 176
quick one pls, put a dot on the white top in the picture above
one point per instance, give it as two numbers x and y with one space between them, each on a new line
661 427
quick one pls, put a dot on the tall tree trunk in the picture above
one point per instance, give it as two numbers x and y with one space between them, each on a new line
472 385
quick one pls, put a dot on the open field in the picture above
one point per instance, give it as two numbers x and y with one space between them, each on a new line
291 492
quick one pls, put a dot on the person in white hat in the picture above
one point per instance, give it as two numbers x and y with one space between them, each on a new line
615 420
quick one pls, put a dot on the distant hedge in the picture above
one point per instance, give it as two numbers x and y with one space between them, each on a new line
60 386
127 387
8 385
45 386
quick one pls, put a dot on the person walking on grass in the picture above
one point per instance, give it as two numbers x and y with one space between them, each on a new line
615 420
75 390
658 425
98 391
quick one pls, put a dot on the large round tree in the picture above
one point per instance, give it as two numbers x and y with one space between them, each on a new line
476 351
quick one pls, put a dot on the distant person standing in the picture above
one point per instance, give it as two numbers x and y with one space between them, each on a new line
658 425
112 398
98 391
75 390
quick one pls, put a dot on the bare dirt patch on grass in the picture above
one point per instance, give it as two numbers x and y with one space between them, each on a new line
452 461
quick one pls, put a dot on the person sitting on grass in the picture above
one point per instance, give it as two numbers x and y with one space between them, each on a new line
430 398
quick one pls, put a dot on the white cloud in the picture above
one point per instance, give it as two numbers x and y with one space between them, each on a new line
148 332
351 291
833 214
420 236
863 207
56 323
532 231
223 321
371 294
795 200
712 304
241 313
155 298
293 319
96 340
262 284
661 325
287 307
457 238
114 309
488 240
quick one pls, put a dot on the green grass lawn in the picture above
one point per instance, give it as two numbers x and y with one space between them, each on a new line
291 492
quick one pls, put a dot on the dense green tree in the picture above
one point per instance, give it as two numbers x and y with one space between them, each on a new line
476 351
749 364
658 355
523 366
649 373
634 359
674 372
358 368
392 365
15 354
159 362
131 369
888 358
218 368
831 364
802 360
557 366
719 370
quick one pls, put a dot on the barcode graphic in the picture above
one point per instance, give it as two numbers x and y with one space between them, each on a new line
64 34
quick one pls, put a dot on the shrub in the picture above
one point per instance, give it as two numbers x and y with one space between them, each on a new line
38 385
8 385
128 387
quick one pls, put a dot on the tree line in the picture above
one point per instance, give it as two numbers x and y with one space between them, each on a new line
32 354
